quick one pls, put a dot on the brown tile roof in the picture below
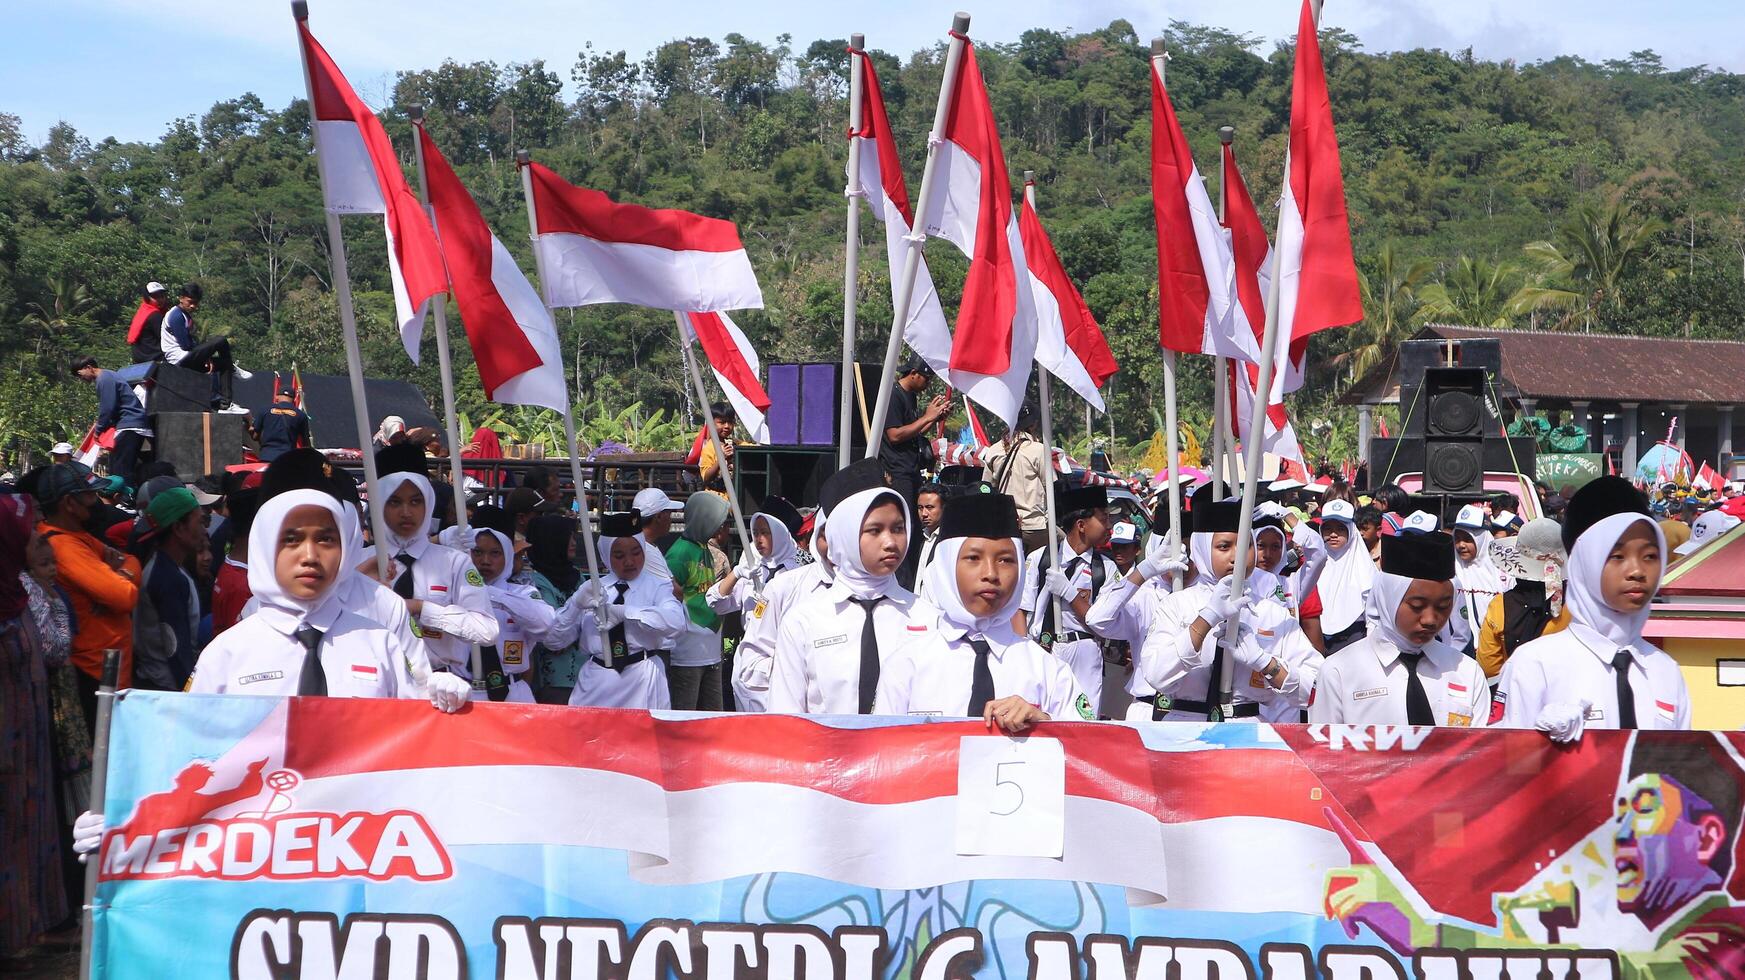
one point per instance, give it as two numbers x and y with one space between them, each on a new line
1602 367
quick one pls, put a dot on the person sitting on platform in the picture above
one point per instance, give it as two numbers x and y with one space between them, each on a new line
184 349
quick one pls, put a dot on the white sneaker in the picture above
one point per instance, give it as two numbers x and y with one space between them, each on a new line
233 409
240 374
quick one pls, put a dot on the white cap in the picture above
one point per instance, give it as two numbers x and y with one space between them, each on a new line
1284 483
1420 522
650 501
201 497
1705 529
1505 518
1316 487
1123 533
1470 517
1339 510
62 449
155 287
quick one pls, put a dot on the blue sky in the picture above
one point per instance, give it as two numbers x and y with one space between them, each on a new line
125 68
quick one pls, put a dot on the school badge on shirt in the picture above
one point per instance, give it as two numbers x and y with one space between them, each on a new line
474 578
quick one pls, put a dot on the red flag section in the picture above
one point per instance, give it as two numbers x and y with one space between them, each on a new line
724 356
1182 291
983 341
1327 292
1084 339
875 125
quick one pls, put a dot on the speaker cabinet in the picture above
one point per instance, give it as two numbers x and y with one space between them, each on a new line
196 443
1454 465
175 389
806 407
1454 402
791 472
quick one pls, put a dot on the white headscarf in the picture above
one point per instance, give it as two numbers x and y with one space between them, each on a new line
502 577
278 608
941 589
603 545
1585 601
1478 581
1260 584
782 546
386 486
1386 592
844 541
1345 581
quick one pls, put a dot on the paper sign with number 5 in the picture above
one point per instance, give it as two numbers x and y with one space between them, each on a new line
1011 796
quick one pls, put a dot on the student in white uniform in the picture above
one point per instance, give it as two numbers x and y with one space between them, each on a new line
1400 673
964 660
1476 579
523 618
444 594
1128 606
643 620
831 645
754 658
1600 672
1345 578
1272 664
1077 576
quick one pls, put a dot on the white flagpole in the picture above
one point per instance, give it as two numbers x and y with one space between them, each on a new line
1221 365
439 311
1052 558
727 480
875 435
851 258
522 159
354 360
1160 58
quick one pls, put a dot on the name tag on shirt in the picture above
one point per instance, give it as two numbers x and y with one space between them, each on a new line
1374 692
1595 714
829 641
265 675
757 610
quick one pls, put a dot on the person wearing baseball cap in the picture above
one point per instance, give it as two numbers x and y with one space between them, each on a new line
61 453
656 510
145 333
1345 578
167 617
1704 529
102 583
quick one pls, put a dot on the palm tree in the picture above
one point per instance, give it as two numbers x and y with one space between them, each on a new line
1389 298
67 304
1579 276
1476 292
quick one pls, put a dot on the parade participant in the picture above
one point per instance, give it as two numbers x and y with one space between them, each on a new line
831 645
230 591
1076 575
551 555
1600 673
772 538
523 619
1476 579
964 659
1400 673
1127 607
1505 524
1018 465
1533 606
1345 578
102 584
1124 546
643 620
929 505
656 511
282 426
120 409
1184 651
1272 548
1368 521
443 593
693 671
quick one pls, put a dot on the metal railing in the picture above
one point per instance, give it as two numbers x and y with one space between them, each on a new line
612 481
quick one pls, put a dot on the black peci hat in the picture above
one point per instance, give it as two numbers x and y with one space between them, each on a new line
406 457
980 515
783 511
864 474
1597 500
243 505
1068 499
1214 516
299 469
623 524
1429 556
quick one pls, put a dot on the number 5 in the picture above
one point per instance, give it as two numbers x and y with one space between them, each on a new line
998 782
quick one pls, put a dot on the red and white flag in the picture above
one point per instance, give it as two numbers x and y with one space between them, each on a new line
360 174
1707 478
92 445
995 339
1069 344
594 250
734 361
1319 289
1253 257
975 425
512 335
1197 308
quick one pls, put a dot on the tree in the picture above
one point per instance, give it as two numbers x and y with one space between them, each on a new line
53 318
1579 277
1477 292
1390 295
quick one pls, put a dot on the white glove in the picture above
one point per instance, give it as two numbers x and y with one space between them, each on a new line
1059 586
1247 651
587 594
87 834
748 565
1150 568
1222 605
1563 722
1269 508
448 692
612 616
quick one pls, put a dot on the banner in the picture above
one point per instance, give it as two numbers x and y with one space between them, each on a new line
1558 470
331 838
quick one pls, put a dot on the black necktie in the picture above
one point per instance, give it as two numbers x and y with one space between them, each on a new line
312 682
1418 710
1048 625
981 685
403 584
869 653
1626 695
615 635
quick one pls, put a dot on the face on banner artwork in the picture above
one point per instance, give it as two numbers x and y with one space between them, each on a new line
265 837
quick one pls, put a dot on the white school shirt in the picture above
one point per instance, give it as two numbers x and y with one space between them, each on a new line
456 604
1172 665
817 653
1085 655
380 605
1125 611
1365 684
933 673
754 657
653 621
361 659
522 621
1576 665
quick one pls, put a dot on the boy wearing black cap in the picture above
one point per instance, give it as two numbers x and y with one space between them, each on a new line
1076 576
1399 673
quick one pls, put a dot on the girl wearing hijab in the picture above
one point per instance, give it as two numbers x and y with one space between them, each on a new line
1533 606
694 674
1127 607
1476 579
1345 578
1271 544
831 646
1182 657
642 618
444 594
551 555
1399 672
522 619
1600 672
963 659
772 535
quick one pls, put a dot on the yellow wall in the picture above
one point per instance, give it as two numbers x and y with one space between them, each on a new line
1712 707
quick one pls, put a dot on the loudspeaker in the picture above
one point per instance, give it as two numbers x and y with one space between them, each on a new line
1453 465
175 389
806 407
1454 403
792 472
196 443
1389 459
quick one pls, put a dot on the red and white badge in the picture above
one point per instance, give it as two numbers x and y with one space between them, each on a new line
369 673
1668 710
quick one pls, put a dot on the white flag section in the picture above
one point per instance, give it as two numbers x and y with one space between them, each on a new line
1281 437
734 361
543 385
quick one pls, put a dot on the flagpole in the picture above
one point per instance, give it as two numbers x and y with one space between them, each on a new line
727 480
522 159
1159 59
439 313
851 258
1051 559
354 360
1220 364
875 435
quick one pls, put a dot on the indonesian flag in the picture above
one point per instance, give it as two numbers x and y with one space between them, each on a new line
1707 478
146 309
93 444
734 361
1069 344
1253 265
360 174
979 434
595 250
1197 309
996 331
513 338
1319 289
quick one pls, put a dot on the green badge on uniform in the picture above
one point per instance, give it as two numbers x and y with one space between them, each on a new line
474 578
1046 640
1163 701
1215 713
417 630
618 650
1083 704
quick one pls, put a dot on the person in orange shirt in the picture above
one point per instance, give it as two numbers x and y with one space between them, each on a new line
103 583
